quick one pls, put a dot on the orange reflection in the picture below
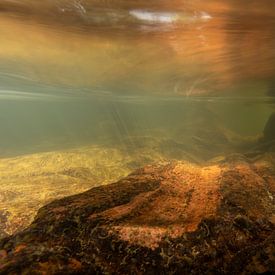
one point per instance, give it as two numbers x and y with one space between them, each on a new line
189 56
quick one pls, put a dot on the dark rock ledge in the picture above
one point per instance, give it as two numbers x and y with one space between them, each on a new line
176 218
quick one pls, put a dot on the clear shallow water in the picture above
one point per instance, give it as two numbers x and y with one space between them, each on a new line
74 73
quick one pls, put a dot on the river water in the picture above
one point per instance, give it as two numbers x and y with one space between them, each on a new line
90 90
76 72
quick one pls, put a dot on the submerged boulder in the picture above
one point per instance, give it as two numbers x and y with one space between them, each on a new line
174 218
269 130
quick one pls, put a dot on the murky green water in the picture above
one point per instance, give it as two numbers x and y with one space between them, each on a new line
75 73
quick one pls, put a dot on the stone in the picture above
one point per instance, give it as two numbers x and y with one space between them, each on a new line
269 130
173 218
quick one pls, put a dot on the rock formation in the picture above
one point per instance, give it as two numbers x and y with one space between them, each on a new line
269 130
175 218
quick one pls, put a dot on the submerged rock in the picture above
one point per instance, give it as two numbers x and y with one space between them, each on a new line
269 130
3 219
175 218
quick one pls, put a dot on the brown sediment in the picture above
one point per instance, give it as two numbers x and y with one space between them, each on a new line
28 182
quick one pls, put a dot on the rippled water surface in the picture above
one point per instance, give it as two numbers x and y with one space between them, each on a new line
81 72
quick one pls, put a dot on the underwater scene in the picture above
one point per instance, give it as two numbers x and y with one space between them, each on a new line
137 137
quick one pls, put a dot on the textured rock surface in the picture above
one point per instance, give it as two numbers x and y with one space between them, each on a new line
177 218
30 181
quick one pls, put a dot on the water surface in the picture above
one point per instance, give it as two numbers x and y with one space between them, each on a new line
77 72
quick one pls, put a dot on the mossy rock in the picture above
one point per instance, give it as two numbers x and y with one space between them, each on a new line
174 218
